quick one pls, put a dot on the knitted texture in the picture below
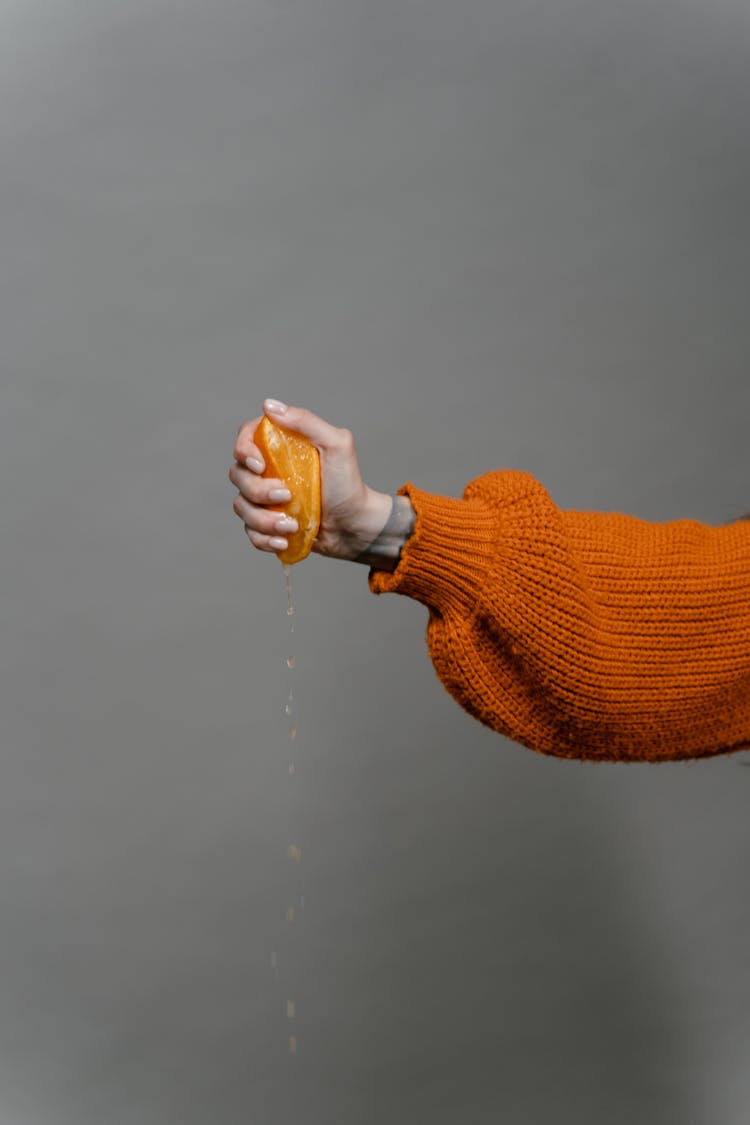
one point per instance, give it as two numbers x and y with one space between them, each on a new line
587 635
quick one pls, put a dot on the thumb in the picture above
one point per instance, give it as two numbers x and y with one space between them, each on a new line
302 421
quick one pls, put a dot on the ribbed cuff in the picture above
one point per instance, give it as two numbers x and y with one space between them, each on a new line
444 562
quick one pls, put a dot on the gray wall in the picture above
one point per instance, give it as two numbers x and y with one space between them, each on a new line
481 235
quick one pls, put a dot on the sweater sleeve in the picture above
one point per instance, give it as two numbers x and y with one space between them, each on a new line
592 635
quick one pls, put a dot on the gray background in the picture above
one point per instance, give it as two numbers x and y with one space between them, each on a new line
480 235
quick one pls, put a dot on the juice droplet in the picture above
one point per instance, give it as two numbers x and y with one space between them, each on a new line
290 661
290 913
287 708
292 1044
290 611
292 732
292 769
291 1009
295 853
302 902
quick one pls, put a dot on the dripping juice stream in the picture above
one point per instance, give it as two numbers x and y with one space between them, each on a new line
290 658
294 852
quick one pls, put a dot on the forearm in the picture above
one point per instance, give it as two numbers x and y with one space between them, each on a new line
390 522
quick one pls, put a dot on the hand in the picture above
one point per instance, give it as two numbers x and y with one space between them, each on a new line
352 515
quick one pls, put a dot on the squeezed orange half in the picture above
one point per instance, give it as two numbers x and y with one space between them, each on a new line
295 460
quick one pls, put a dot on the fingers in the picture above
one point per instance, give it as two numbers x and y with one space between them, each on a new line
260 521
265 527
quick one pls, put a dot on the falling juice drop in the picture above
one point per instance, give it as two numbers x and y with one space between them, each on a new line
292 1044
291 1009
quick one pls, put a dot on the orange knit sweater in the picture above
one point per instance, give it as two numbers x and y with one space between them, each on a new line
582 634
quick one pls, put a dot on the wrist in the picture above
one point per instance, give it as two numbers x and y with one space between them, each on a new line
387 523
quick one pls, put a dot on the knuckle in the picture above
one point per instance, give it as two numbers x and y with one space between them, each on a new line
259 540
263 491
249 489
346 437
238 504
243 445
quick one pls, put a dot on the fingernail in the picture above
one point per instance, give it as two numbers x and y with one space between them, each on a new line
278 544
279 494
275 406
254 463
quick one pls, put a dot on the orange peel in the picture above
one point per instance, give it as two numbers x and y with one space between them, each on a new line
294 459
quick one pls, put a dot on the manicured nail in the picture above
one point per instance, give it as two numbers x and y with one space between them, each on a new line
275 406
278 544
279 495
254 463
